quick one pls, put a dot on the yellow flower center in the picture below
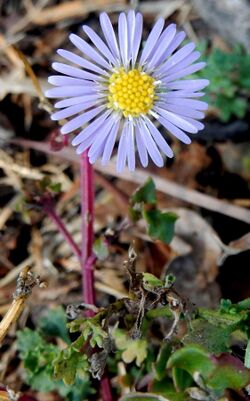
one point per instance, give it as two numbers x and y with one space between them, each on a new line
132 92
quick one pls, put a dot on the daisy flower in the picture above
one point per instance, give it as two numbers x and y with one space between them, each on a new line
117 92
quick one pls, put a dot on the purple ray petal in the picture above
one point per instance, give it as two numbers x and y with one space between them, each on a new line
82 45
75 59
131 146
59 80
123 38
86 143
131 32
110 143
177 57
66 91
178 39
179 134
194 104
142 150
109 34
137 38
163 43
157 136
78 99
97 154
189 84
70 111
77 122
197 124
179 94
92 127
75 72
98 42
181 110
150 144
102 136
152 39
186 71
122 150
176 120
184 63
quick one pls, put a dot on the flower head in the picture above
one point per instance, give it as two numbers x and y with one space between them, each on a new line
116 92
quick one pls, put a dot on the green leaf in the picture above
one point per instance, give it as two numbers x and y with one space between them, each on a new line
54 324
214 338
44 183
247 355
131 349
231 377
47 185
165 388
28 340
240 107
181 378
163 311
243 305
100 249
192 358
146 193
42 381
55 187
69 364
91 329
161 362
80 391
160 224
76 325
39 357
222 319
95 332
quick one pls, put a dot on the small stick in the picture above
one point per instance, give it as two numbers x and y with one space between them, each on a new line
25 282
11 316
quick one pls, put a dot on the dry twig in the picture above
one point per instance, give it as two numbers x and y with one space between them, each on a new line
25 282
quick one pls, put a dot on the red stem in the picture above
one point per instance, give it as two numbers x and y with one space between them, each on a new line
105 388
87 204
88 258
49 209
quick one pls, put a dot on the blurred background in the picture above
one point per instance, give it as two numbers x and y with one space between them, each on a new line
210 251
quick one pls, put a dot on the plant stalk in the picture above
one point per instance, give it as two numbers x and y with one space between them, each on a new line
88 258
63 230
87 210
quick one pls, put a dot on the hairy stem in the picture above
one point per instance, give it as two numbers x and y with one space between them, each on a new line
49 209
88 258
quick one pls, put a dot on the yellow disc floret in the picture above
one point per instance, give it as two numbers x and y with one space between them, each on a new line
132 92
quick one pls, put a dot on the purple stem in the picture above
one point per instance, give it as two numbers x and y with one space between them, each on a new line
87 204
49 209
105 388
88 258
